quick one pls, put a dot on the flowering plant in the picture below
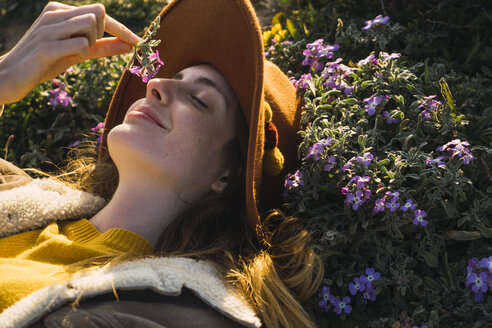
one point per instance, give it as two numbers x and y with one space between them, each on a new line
150 63
389 182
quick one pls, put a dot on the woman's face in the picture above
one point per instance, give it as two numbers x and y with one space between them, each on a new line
175 135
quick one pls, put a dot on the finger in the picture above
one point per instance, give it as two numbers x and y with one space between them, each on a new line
84 25
75 46
109 47
65 13
119 30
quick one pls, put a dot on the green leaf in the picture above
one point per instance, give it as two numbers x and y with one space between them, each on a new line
446 94
349 101
292 28
429 258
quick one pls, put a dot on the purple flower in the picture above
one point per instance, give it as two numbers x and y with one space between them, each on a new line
379 19
419 218
437 161
486 263
393 205
409 205
356 200
360 182
458 148
347 165
325 298
59 95
331 163
384 56
369 294
356 286
335 74
154 58
372 275
429 105
151 67
390 120
379 205
318 148
372 102
314 151
302 82
316 51
394 194
98 129
479 282
293 180
365 159
341 305
369 59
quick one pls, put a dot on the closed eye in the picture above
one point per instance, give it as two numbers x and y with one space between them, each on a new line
199 101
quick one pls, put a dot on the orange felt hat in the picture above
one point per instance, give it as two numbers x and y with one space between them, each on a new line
227 35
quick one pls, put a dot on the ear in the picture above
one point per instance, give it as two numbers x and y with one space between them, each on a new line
221 183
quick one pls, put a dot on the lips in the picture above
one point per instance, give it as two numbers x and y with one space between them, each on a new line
147 113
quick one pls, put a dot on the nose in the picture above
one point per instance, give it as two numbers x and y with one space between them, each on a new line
159 90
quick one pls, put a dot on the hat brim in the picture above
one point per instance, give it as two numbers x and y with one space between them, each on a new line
227 35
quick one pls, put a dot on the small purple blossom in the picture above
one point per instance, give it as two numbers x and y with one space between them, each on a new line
429 106
365 159
372 275
341 305
379 205
356 286
331 163
315 52
458 149
150 67
318 148
486 263
347 165
302 82
325 298
384 56
419 218
369 59
393 194
440 160
393 205
369 294
335 74
373 102
293 180
390 120
59 95
409 205
98 129
379 19
355 199
479 282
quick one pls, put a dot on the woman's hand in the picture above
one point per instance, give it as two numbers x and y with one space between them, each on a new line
62 36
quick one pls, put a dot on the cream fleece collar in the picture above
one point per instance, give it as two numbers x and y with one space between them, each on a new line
44 200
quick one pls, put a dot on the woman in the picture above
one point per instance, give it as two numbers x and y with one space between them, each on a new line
186 163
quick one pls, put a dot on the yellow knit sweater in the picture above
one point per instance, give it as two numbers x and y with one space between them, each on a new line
35 259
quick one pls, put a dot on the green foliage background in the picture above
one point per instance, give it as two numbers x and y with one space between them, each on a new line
423 270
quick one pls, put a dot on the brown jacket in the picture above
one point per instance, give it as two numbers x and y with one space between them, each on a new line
165 292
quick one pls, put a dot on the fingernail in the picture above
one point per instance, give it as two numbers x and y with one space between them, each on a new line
136 38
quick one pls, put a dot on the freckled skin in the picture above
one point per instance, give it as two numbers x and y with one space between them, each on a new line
186 156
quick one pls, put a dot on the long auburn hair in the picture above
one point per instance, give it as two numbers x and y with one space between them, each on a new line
273 266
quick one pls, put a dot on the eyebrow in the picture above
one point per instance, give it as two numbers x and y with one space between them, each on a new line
204 81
